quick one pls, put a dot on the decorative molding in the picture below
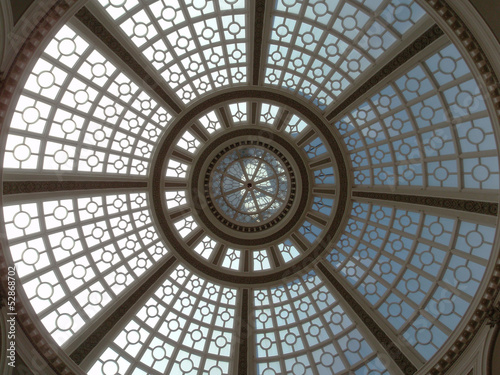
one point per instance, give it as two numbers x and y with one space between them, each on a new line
24 187
493 315
28 50
205 215
490 79
198 184
241 227
472 327
55 358
479 207
493 351
95 26
422 42
473 48
157 180
390 347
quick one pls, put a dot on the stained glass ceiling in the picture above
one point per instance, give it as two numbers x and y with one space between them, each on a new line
245 212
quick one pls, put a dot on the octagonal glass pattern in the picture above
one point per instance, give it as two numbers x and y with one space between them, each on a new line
254 184
249 185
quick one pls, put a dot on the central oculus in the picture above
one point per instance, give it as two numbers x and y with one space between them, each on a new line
249 184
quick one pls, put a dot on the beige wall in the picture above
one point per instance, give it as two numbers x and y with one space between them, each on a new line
490 10
495 357
19 7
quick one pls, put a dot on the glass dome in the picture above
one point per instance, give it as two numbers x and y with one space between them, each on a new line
249 184
251 187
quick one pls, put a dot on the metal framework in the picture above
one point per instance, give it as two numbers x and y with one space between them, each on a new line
235 186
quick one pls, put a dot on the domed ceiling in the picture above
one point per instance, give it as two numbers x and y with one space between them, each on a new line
250 187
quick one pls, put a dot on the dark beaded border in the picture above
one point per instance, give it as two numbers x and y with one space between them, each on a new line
239 227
